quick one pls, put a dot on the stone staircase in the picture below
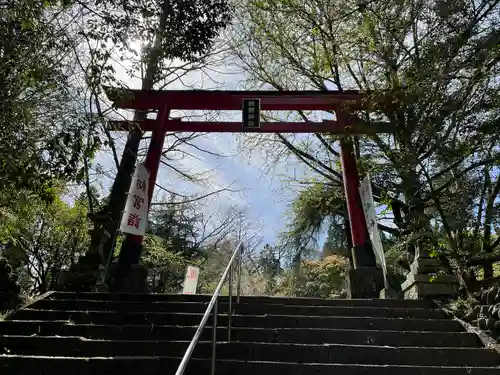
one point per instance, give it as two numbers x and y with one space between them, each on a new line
148 334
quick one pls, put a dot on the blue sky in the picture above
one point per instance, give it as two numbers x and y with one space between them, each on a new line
262 194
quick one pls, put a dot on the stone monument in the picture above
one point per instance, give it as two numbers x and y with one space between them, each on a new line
426 279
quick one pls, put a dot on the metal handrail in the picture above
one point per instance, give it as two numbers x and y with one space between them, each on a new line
213 306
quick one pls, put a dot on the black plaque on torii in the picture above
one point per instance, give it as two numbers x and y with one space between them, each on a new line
251 113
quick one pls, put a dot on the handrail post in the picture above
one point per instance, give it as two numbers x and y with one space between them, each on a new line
238 281
214 335
230 305
212 308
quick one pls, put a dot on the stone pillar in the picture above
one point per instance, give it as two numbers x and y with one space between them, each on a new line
426 281
135 280
364 282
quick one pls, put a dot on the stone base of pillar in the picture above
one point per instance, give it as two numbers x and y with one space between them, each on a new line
81 276
365 282
388 293
135 280
428 286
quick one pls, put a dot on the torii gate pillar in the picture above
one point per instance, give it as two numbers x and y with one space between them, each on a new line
130 252
365 280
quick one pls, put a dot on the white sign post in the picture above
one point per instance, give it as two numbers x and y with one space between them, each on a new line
191 280
365 192
135 216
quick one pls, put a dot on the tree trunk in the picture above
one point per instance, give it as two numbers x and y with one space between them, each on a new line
55 269
296 274
123 178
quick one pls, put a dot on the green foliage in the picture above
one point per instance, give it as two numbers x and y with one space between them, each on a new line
171 244
315 207
165 264
324 278
215 259
42 238
180 235
177 226
192 26
269 263
187 27
44 133
168 268
336 241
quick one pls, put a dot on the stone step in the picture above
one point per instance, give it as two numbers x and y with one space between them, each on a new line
258 321
32 365
309 353
243 334
245 299
240 308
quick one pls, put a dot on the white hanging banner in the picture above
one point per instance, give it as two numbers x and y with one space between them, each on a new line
135 216
365 192
191 280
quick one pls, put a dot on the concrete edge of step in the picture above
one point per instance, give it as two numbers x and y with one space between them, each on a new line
231 361
206 297
200 313
238 328
485 339
359 346
244 301
11 313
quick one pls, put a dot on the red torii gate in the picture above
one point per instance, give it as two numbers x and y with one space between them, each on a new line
340 102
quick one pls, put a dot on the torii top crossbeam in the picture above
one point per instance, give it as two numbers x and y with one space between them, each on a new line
231 100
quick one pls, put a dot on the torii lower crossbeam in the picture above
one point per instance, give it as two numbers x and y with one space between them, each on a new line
326 126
